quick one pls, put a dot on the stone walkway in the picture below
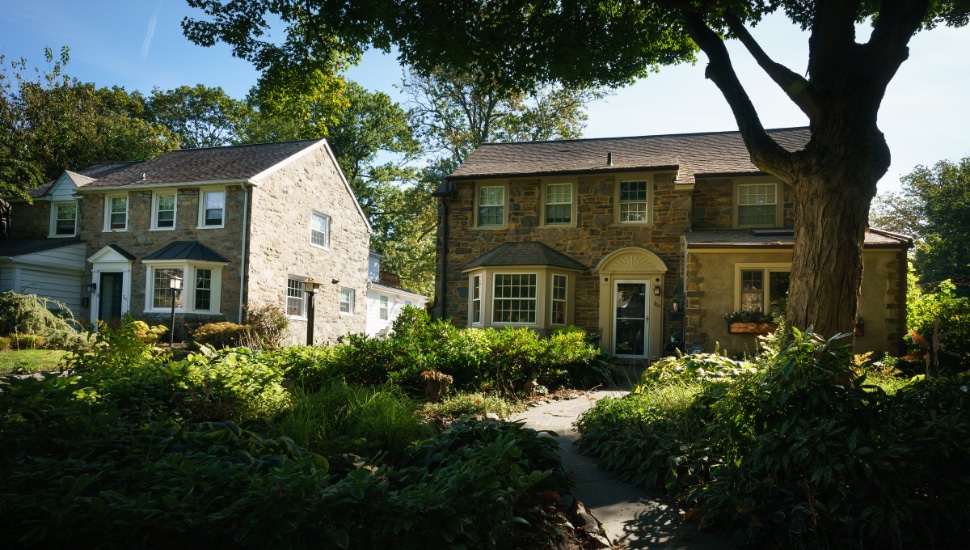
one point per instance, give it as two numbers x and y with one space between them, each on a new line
631 517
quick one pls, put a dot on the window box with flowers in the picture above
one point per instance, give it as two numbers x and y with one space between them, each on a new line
750 322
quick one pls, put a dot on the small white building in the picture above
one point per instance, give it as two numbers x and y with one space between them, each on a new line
385 301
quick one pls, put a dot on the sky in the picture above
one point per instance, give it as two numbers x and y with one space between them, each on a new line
138 45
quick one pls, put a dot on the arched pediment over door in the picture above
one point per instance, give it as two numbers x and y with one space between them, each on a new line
631 303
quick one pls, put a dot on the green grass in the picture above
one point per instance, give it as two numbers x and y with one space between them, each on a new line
31 360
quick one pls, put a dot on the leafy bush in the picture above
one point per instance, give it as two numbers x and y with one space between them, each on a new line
696 367
26 341
219 335
28 314
467 405
4 343
803 453
953 313
266 326
148 334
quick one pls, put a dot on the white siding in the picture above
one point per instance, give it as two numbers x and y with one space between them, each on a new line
6 277
396 301
54 274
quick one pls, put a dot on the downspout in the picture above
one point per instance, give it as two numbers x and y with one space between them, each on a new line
441 193
242 252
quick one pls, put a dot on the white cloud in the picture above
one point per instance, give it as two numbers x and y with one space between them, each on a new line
149 34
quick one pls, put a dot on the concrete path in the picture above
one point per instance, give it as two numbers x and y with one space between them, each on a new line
630 516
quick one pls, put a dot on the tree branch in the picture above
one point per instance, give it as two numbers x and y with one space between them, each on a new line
765 153
798 89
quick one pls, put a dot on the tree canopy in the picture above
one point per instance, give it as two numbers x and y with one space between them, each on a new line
199 116
522 44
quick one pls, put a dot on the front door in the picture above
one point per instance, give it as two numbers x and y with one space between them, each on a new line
109 301
631 319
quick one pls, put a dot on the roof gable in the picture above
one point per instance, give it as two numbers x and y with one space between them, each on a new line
520 254
691 155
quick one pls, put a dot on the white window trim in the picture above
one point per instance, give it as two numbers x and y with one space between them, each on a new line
302 316
55 206
225 207
573 199
779 203
505 205
188 286
552 300
156 196
538 309
353 300
648 179
766 268
329 232
108 199
480 299
384 307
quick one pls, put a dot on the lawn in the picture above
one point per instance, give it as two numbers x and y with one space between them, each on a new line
30 360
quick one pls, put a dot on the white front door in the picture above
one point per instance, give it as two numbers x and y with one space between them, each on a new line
631 319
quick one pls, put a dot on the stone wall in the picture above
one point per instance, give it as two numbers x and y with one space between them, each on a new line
713 204
594 236
279 244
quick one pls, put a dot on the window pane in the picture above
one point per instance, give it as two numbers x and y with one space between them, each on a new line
477 299
294 297
346 300
559 203
66 219
515 299
203 289
757 204
161 290
384 308
558 300
320 230
633 201
215 203
119 213
491 206
778 285
165 212
752 290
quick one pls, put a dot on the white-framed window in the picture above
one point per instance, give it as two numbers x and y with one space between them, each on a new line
63 221
347 301
320 230
559 204
295 297
514 298
757 204
163 210
116 213
761 287
212 208
201 286
476 314
558 313
634 201
385 310
491 206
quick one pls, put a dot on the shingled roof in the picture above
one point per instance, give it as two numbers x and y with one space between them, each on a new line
527 253
691 155
213 164
187 250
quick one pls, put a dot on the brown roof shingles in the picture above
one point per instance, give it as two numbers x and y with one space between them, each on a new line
215 164
526 253
715 153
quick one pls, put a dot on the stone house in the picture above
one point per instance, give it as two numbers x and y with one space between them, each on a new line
647 242
237 227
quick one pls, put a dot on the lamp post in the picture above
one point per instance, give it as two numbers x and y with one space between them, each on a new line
310 287
175 285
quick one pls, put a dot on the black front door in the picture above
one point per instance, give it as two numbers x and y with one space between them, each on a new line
109 301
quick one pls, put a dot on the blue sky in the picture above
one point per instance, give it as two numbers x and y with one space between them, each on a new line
138 44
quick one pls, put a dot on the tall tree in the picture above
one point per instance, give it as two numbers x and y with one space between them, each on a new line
455 111
521 43
56 122
199 116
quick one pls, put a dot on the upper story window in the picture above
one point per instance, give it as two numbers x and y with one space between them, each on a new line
559 204
514 298
347 301
320 230
212 208
116 213
491 206
757 204
634 205
163 210
295 297
63 219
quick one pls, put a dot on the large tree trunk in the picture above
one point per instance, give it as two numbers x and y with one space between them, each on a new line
834 184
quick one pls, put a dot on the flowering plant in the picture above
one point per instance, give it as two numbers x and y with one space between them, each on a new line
747 317
437 375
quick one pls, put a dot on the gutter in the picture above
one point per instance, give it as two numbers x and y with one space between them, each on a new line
242 252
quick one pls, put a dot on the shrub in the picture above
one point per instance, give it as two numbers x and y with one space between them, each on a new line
26 341
467 405
953 313
148 334
696 367
218 335
266 326
4 343
28 314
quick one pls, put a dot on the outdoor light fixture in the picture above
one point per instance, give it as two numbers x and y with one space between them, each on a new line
175 285
310 286
334 281
92 288
656 291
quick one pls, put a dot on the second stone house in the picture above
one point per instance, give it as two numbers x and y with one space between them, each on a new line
236 227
